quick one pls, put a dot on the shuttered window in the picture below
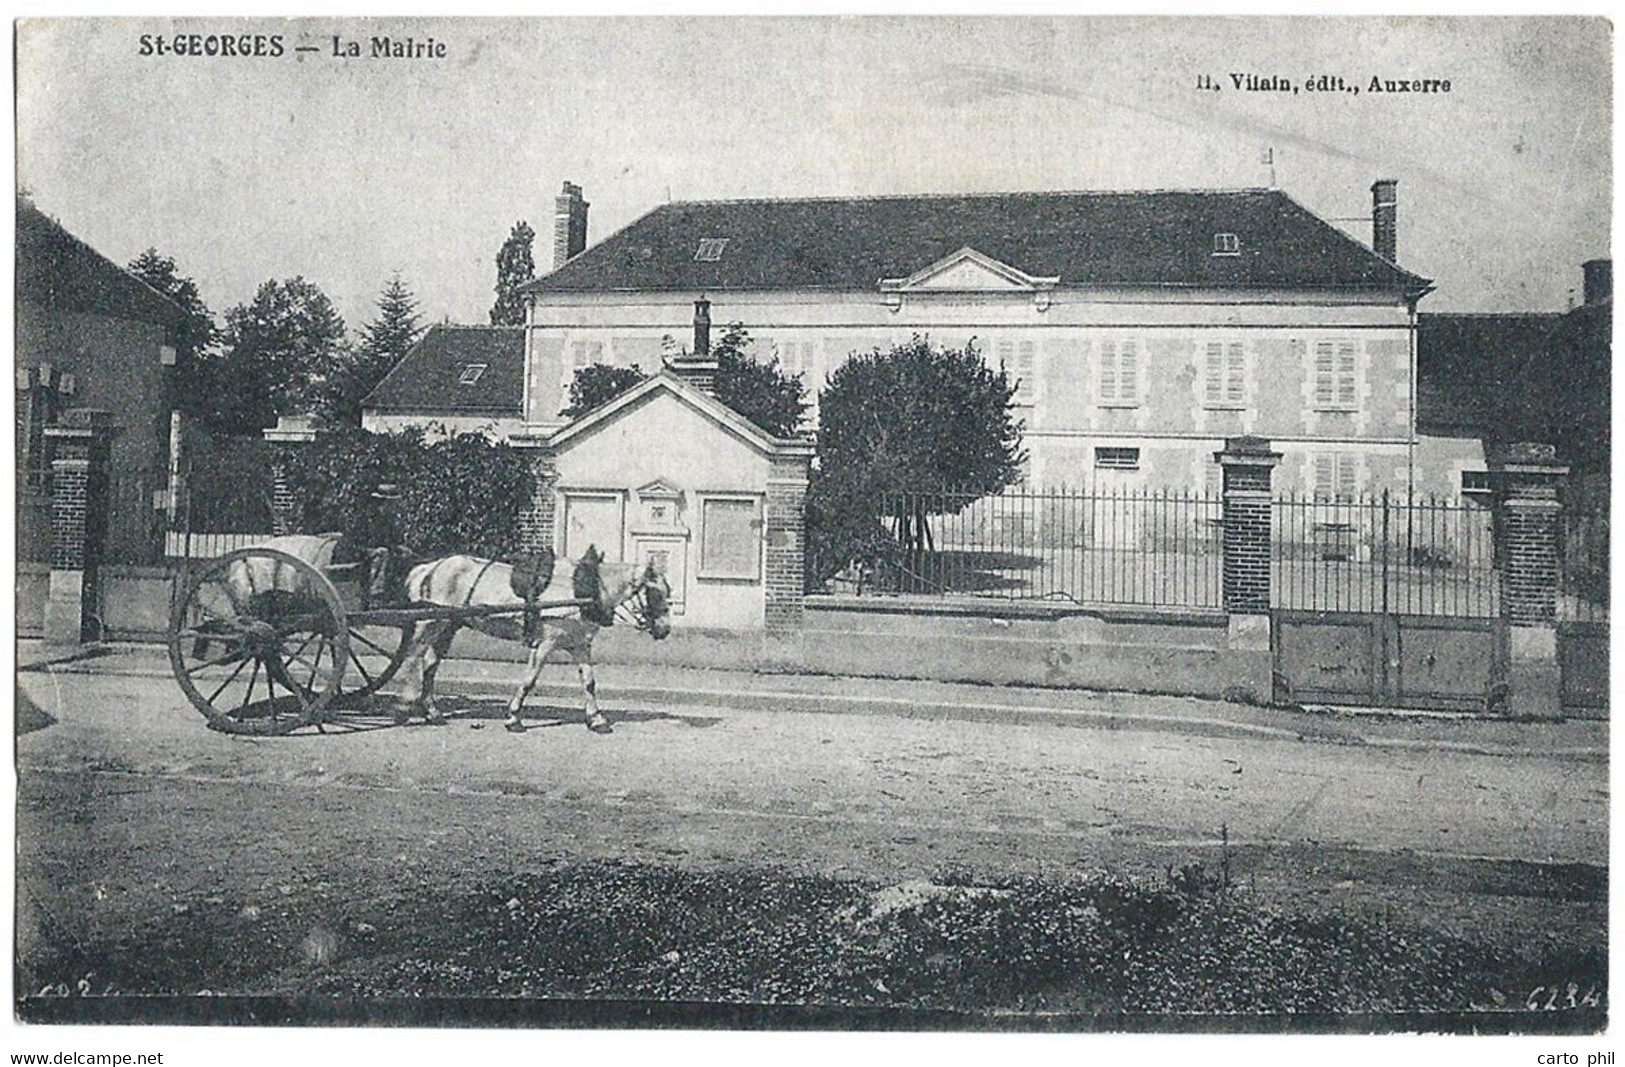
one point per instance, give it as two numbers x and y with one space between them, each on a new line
1337 476
731 538
1019 359
1226 374
1120 372
1335 375
586 353
796 357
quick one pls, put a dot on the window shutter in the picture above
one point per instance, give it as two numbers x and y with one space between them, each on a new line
1214 372
1347 477
1026 360
1128 381
1325 372
1324 477
1345 374
1236 374
1108 370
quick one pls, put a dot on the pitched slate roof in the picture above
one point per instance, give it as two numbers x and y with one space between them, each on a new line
57 270
430 377
1084 238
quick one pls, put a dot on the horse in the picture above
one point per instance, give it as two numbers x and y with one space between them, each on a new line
470 581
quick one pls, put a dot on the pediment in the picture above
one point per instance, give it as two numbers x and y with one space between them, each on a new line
968 270
659 488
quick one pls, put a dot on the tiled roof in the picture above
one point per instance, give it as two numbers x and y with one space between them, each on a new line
1085 239
57 270
437 375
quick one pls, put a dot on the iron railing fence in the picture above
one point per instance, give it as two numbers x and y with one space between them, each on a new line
222 501
1144 548
1164 549
1385 554
1582 564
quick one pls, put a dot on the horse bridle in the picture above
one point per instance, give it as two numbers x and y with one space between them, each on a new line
636 608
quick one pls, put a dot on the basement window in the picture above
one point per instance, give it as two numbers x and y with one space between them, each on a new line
1226 244
1475 482
1117 459
471 373
710 250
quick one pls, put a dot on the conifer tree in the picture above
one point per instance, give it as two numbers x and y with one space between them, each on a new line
515 267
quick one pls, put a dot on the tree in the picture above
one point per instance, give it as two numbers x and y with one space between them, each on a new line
515 267
384 343
286 353
916 419
773 400
597 384
197 332
196 338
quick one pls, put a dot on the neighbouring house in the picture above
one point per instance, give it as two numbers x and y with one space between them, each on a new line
455 379
91 335
1487 380
1144 327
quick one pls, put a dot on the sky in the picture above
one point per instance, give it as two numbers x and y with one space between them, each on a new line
347 171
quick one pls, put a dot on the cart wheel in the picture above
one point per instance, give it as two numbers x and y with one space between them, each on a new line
376 652
258 642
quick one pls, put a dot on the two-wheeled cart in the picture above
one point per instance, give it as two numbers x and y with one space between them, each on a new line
263 642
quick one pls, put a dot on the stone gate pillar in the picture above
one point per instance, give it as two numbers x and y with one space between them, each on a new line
786 536
81 455
1247 462
290 434
1527 478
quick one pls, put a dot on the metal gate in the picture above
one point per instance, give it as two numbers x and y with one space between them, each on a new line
220 498
1384 602
1582 606
1397 661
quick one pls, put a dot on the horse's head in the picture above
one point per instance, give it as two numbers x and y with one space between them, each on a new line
606 587
652 609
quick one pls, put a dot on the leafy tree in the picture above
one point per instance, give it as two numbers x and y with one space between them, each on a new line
915 419
199 382
384 343
764 394
597 384
515 267
286 353
761 392
462 494
197 333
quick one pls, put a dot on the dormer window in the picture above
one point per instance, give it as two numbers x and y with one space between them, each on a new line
710 249
471 373
1226 244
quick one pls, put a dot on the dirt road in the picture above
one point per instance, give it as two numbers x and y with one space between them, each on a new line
132 812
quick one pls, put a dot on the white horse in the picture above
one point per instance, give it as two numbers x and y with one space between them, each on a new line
469 581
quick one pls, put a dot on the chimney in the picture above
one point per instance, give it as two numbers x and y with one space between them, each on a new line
1599 283
1385 218
698 368
569 225
702 327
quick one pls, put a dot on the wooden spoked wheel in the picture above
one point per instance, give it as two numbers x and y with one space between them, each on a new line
259 642
376 651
